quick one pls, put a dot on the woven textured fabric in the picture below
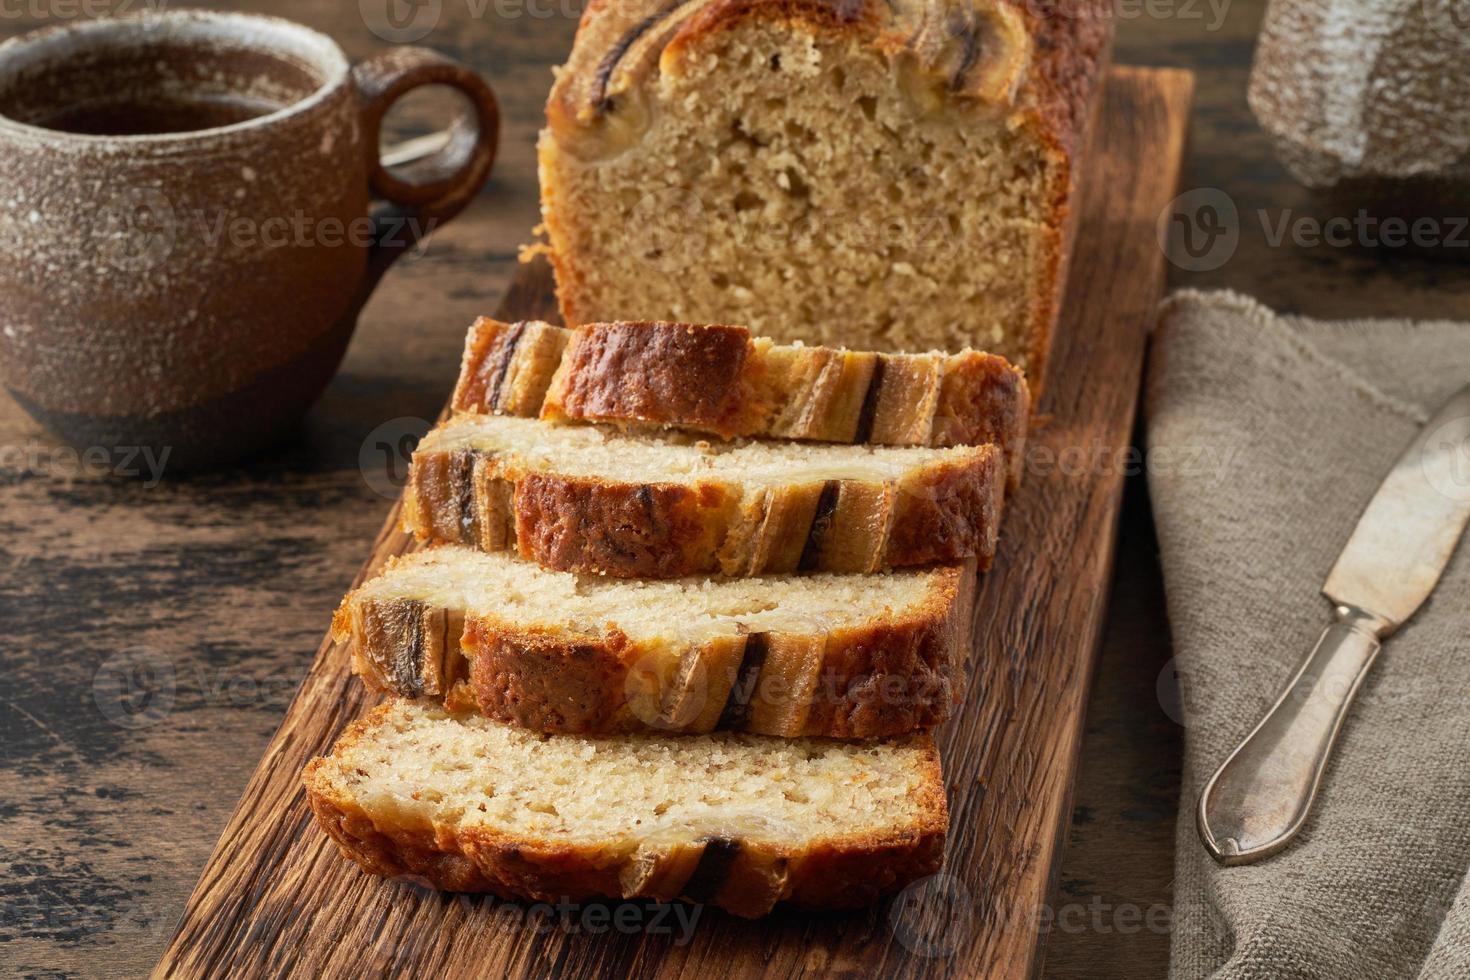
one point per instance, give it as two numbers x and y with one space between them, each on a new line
1267 436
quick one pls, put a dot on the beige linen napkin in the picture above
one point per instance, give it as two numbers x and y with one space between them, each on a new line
1267 435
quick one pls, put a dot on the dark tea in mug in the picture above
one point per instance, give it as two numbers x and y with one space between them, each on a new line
180 259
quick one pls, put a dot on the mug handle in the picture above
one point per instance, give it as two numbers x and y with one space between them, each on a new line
406 212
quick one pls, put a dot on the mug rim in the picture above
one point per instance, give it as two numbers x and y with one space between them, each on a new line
320 50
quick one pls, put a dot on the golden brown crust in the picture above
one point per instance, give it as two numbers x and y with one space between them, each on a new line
655 372
744 876
649 530
942 512
961 43
545 680
892 675
1072 44
1070 40
984 399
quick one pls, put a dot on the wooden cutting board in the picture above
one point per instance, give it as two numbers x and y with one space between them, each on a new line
276 898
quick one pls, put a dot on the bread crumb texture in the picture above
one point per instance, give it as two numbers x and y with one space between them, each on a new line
789 179
420 767
521 595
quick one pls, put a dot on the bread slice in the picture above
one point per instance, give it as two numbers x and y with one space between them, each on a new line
835 655
591 499
736 821
877 174
717 379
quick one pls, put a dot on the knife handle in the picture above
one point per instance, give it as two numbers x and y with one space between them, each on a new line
1258 800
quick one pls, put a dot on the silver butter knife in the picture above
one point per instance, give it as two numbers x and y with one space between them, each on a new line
1258 800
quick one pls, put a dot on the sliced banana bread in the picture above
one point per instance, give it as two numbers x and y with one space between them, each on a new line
736 821
664 505
716 378
851 656
879 174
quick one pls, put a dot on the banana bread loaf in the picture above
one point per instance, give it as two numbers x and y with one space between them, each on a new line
878 175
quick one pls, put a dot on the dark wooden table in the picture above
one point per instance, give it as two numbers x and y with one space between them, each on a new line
201 600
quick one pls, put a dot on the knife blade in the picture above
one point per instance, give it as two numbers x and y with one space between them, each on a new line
1409 530
1258 800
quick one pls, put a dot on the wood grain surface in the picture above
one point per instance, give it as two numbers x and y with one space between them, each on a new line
109 809
276 898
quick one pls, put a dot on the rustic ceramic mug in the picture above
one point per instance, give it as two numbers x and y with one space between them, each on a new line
193 213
